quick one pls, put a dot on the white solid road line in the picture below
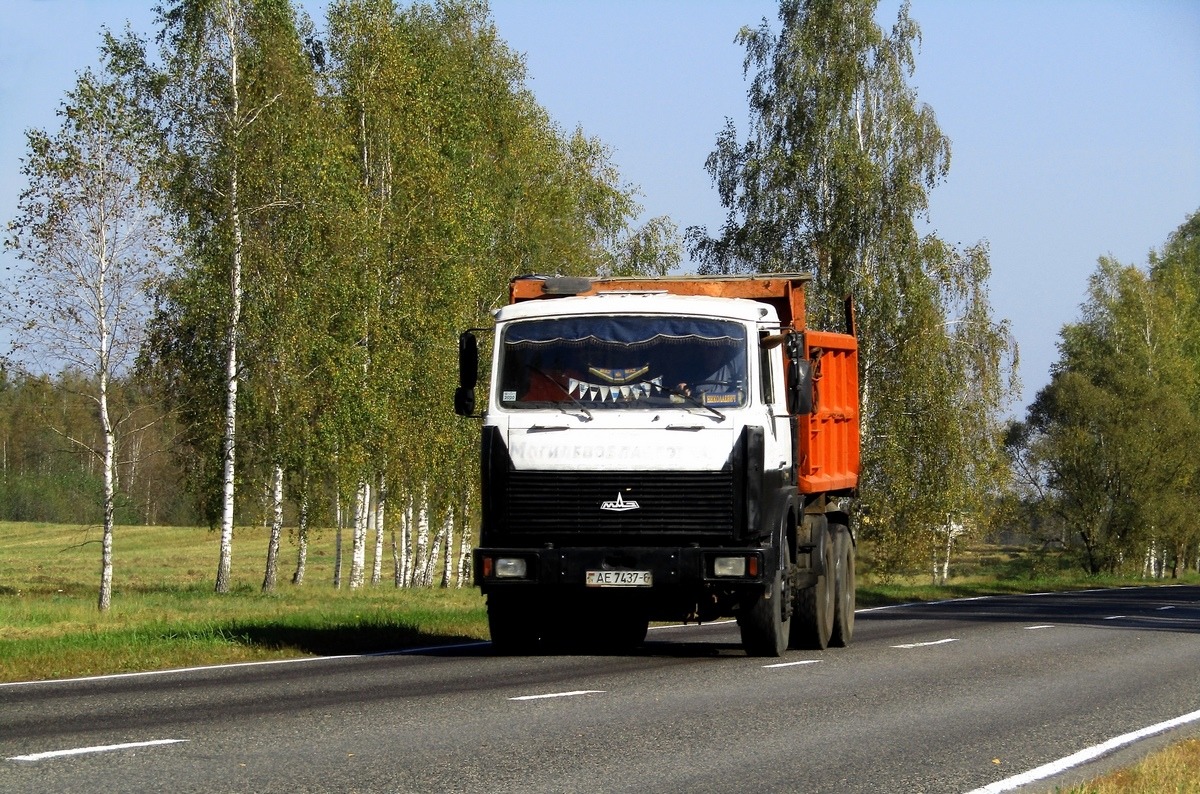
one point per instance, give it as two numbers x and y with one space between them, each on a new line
1083 756
576 693
791 664
104 748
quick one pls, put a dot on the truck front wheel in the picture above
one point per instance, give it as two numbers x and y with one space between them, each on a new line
765 630
513 623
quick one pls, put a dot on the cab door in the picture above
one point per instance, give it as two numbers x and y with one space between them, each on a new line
779 438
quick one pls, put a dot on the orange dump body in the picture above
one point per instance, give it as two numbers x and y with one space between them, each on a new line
828 438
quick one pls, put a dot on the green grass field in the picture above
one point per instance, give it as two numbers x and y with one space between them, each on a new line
165 614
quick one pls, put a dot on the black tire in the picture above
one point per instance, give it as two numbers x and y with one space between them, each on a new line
765 632
812 618
513 625
844 590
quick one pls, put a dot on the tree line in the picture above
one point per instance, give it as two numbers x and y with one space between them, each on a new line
274 237
1105 458
46 477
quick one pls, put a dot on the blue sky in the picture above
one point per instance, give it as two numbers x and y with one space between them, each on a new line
1075 125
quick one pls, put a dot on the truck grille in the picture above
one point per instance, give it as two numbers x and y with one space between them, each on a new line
566 505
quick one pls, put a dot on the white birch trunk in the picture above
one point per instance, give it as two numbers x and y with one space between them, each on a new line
396 567
110 443
399 553
946 562
422 514
370 531
380 509
434 553
271 574
228 445
404 575
362 509
301 542
464 549
110 440
448 565
134 447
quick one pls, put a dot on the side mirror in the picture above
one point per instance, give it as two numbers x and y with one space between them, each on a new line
468 374
802 387
801 400
468 360
464 401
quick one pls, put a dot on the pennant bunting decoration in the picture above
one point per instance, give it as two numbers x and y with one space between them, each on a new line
604 392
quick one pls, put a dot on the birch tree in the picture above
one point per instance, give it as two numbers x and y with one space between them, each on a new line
204 43
93 239
291 168
219 88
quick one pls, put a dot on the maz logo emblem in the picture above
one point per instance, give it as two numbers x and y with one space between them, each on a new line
619 505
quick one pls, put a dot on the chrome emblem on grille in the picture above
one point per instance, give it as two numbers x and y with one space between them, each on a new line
619 505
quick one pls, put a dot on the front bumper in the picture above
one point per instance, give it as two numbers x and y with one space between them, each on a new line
669 567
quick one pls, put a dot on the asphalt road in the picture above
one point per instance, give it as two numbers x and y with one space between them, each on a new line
944 697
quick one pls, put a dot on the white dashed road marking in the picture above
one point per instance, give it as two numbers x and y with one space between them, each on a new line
576 693
104 748
925 644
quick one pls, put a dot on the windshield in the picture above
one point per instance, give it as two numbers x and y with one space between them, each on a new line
623 362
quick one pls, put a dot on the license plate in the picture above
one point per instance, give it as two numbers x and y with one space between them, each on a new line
619 579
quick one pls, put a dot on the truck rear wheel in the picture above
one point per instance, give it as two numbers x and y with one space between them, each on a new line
812 619
844 587
765 631
514 625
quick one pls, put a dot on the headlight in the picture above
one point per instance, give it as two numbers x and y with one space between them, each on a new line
511 568
729 566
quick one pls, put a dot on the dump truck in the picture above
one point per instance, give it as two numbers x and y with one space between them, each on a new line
678 449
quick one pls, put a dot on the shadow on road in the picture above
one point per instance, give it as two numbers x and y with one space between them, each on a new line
341 640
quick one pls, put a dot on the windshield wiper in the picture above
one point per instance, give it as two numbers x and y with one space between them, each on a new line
562 389
695 401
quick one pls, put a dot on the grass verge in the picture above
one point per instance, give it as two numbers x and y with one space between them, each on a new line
1174 769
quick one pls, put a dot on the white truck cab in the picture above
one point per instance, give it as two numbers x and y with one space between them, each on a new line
641 381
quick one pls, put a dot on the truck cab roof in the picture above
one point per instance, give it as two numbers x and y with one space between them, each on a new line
643 302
